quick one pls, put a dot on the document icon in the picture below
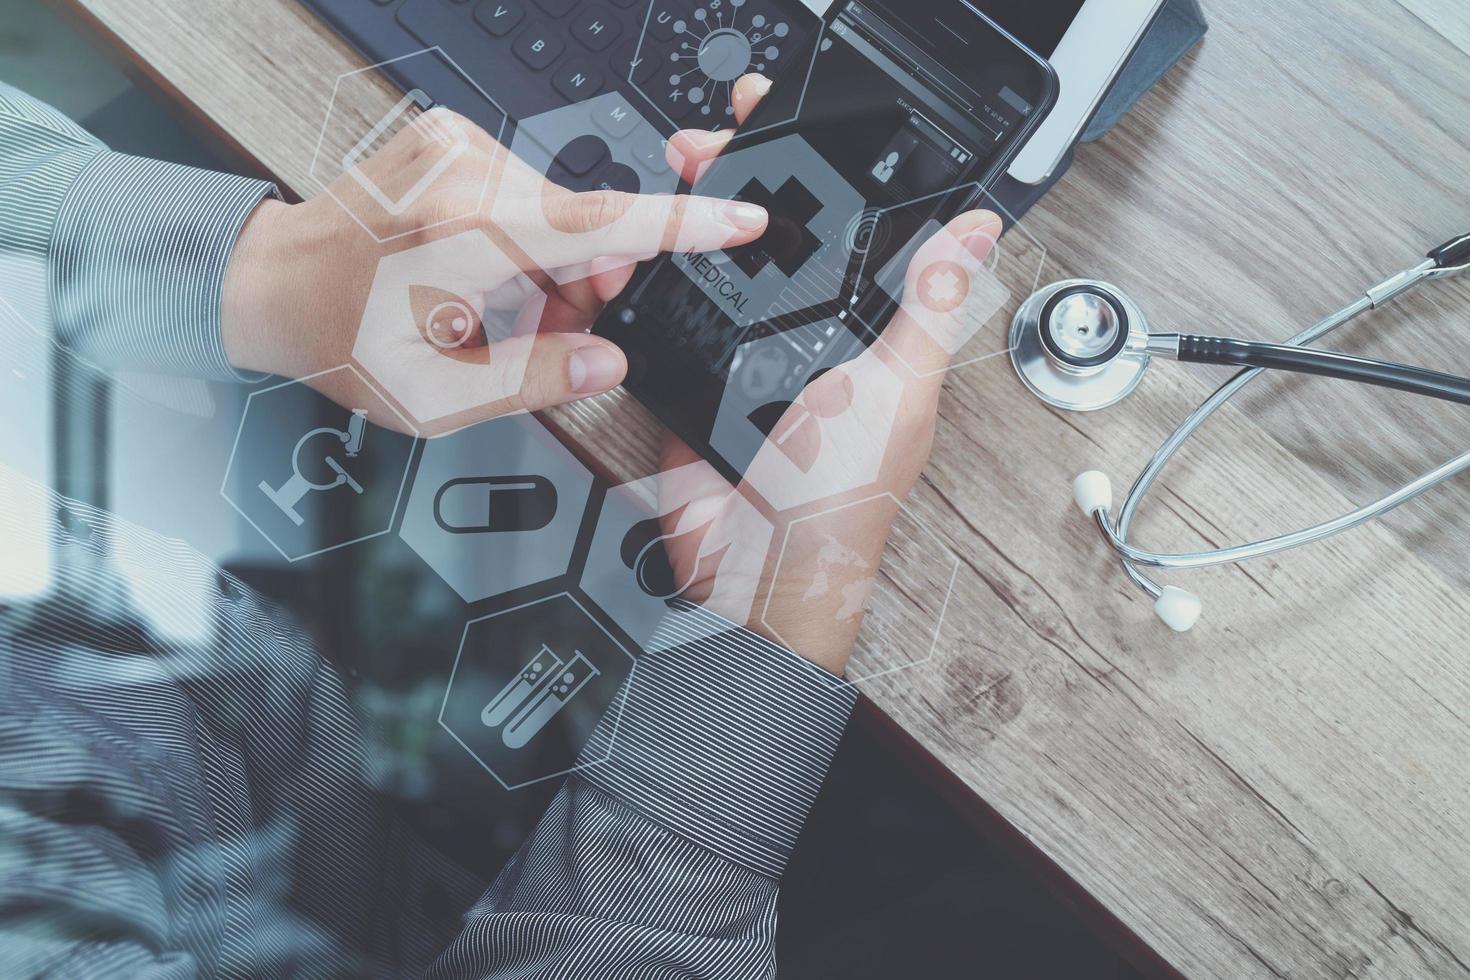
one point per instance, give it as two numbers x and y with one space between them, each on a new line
446 140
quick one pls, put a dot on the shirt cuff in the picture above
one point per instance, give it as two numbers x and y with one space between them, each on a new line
724 737
138 263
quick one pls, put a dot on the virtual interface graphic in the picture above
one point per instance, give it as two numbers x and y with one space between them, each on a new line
886 136
687 62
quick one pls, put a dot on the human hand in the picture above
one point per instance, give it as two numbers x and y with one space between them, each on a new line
300 276
899 377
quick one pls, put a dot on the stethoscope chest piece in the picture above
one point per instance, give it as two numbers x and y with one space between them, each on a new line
1079 344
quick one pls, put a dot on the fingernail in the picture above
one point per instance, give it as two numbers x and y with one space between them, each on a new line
762 86
747 217
594 368
981 240
701 139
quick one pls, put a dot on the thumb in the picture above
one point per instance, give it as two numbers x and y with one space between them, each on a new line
947 294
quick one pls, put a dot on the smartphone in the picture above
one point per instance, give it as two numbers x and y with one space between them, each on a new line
895 115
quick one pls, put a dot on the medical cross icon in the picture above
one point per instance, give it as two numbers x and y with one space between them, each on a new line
788 242
943 286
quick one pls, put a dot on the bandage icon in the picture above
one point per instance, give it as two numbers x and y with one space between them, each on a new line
545 685
448 140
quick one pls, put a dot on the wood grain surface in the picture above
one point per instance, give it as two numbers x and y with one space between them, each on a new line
1283 791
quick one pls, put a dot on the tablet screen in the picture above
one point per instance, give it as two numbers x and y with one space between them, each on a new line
1038 24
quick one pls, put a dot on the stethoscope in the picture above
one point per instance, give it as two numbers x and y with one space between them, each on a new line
1081 344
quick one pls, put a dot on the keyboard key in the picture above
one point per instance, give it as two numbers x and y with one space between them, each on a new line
581 154
597 27
577 80
661 21
616 120
613 176
629 3
625 59
431 21
538 46
556 8
651 151
676 106
499 16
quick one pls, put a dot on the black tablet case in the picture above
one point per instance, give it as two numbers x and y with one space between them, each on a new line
1176 28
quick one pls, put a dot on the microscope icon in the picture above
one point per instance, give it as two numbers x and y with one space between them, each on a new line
545 685
290 493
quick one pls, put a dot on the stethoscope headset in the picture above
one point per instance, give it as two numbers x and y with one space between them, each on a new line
1082 345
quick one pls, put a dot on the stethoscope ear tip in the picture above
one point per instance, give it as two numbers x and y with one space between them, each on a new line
1178 608
1093 492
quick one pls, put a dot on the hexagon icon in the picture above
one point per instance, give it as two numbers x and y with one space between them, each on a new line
963 303
901 598
602 143
301 460
496 507
723 540
801 260
426 313
689 55
529 685
806 414
379 197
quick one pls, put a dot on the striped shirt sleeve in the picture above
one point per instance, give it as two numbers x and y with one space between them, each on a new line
724 737
661 857
134 250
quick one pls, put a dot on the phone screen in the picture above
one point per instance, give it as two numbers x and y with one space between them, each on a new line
890 119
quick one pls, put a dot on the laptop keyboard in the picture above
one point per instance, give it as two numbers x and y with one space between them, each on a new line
675 60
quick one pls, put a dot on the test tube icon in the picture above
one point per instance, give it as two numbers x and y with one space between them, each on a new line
547 700
545 685
543 665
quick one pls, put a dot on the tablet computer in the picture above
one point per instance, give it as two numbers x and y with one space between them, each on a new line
1087 42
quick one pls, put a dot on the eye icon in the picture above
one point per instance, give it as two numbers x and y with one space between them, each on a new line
445 321
449 325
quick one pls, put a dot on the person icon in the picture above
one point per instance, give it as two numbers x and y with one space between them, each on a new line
883 169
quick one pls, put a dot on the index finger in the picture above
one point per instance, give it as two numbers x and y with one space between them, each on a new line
689 149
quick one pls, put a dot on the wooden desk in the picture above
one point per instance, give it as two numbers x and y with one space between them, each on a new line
1282 792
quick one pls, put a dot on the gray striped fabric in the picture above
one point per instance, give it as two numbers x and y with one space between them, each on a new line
135 250
178 810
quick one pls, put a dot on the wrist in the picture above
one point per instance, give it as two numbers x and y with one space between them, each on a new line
254 280
830 648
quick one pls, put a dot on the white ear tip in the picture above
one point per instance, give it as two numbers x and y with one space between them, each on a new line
1178 608
1093 491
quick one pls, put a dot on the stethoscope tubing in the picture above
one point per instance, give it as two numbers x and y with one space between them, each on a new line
1285 542
1131 556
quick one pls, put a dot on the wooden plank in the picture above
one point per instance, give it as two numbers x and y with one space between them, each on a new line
1451 20
1281 792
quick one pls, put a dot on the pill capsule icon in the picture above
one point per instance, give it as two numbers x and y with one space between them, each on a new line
486 504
